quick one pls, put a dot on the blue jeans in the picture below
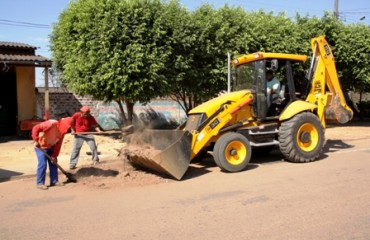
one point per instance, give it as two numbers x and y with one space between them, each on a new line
41 167
77 144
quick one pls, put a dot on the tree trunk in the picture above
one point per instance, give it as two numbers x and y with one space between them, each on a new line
123 114
130 111
190 105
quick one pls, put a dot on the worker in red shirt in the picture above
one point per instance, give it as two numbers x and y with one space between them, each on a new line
48 137
84 122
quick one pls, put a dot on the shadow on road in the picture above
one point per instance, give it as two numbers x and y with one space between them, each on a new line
199 167
335 145
91 171
268 157
6 175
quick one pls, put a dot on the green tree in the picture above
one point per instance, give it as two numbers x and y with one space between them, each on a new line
212 33
113 50
271 33
353 56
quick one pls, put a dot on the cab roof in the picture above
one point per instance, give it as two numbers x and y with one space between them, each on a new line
262 55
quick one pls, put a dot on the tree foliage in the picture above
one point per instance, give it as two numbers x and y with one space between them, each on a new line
211 32
113 50
137 50
353 56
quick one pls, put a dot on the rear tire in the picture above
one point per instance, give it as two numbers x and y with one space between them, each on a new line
301 138
232 152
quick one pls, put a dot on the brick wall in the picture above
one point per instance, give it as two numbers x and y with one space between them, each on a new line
158 113
63 104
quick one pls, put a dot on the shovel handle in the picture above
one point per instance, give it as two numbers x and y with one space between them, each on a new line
125 130
50 158
97 133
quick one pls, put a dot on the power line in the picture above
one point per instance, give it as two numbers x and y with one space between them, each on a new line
358 9
345 12
23 24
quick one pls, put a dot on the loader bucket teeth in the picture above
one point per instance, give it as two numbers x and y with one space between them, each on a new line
163 151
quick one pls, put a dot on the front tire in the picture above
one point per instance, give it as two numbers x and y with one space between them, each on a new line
232 152
301 138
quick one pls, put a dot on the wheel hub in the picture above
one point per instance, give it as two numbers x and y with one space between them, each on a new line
233 152
305 137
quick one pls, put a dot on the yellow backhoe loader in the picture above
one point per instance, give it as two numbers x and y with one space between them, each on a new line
245 119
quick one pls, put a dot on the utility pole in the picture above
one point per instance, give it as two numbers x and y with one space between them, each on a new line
336 10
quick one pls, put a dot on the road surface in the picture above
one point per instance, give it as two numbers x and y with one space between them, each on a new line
272 199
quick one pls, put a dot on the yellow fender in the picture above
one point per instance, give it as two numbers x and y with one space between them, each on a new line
296 107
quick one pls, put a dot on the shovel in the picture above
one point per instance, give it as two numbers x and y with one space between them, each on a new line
124 131
67 174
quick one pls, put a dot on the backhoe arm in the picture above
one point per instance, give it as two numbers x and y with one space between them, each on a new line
325 90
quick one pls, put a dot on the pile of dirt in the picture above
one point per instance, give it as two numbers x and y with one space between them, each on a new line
136 153
115 168
115 173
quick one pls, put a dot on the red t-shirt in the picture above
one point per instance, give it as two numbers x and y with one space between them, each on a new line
83 124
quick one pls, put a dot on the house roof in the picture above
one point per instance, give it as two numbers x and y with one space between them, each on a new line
14 53
16 45
7 58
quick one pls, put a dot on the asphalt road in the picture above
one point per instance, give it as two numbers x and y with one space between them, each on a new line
272 199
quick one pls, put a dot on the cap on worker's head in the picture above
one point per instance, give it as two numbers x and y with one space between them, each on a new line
85 109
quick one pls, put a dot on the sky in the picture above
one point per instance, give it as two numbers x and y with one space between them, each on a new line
30 21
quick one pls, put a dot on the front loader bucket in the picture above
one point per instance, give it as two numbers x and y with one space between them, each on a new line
163 151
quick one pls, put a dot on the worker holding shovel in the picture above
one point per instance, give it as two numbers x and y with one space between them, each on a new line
48 138
84 122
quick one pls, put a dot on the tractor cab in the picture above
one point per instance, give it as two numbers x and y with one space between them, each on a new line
251 72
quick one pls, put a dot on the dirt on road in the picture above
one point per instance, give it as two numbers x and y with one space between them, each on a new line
115 171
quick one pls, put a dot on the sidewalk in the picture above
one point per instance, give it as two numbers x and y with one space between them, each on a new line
18 159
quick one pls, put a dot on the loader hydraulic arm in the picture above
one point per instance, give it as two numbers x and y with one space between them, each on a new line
325 89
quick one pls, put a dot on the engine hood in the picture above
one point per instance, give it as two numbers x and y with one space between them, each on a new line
212 105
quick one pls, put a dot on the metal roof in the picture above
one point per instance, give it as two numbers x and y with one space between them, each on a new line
22 58
15 53
16 45
29 60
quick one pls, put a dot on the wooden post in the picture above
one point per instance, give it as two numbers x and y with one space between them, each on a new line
47 107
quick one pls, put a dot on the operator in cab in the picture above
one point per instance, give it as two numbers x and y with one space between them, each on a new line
273 87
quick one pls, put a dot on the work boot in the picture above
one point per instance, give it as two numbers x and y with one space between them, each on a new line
57 184
42 187
72 167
